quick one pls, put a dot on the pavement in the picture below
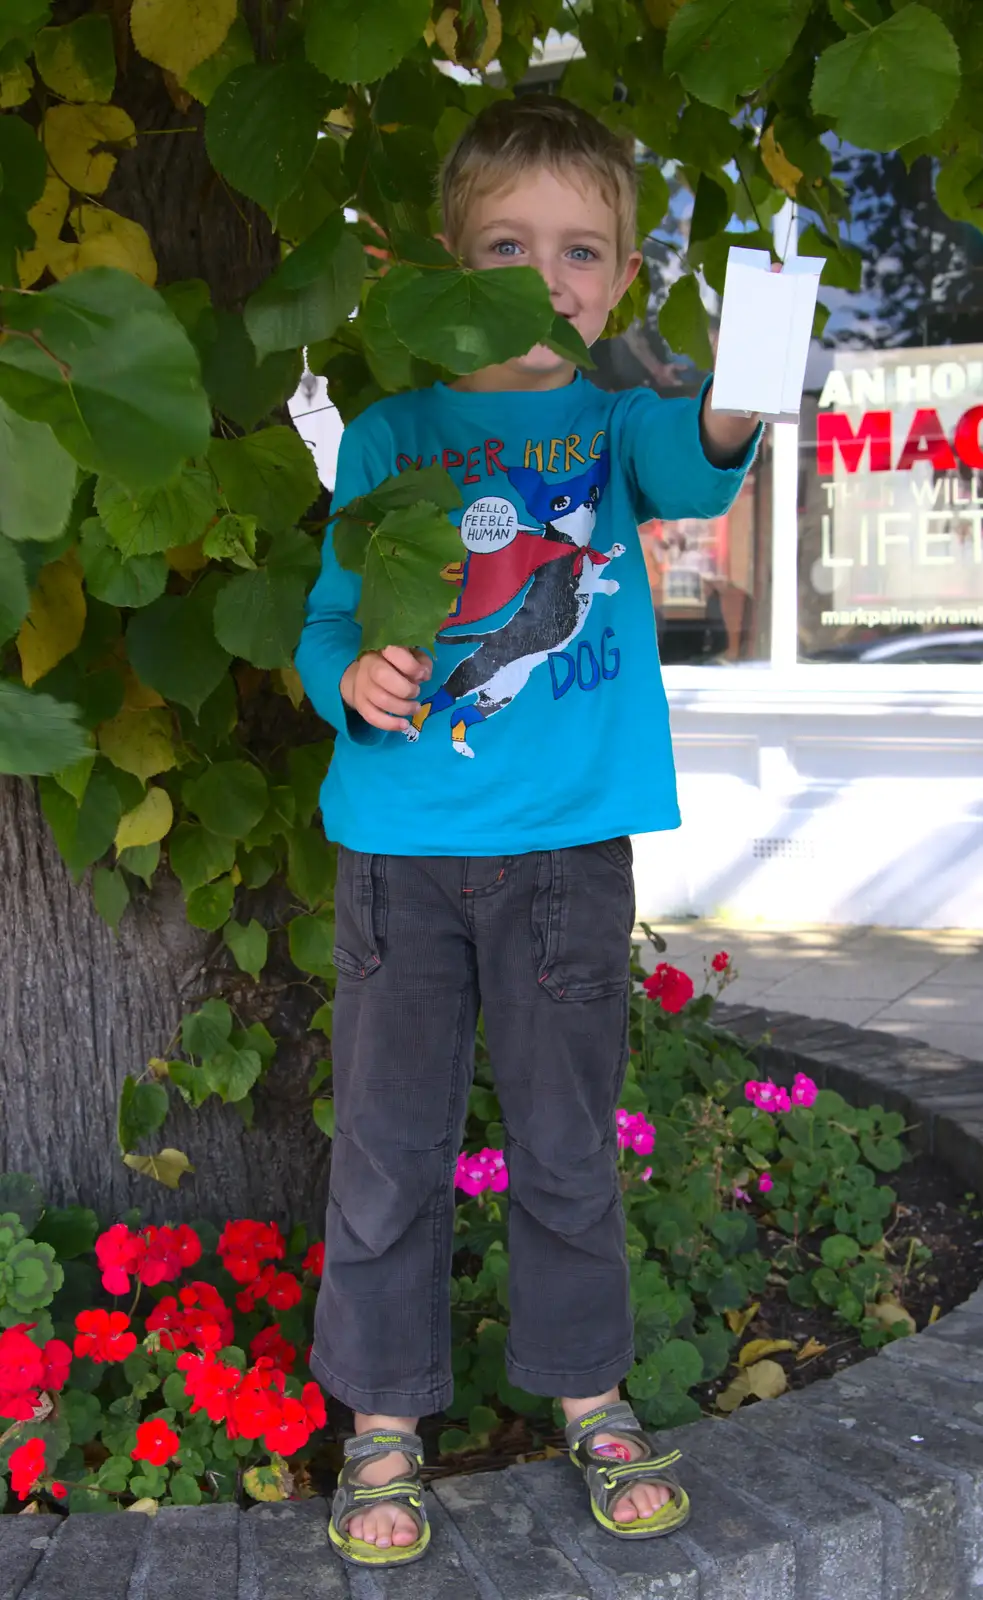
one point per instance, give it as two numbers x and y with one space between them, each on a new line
913 983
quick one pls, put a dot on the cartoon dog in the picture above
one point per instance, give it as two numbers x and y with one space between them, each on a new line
566 575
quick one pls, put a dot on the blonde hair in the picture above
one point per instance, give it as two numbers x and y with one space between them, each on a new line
511 137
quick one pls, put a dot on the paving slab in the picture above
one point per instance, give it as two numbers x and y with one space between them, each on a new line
507 1540
22 1544
924 1385
285 1554
191 1551
447 1572
919 1504
92 1558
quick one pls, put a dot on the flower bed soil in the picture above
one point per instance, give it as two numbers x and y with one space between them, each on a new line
932 1209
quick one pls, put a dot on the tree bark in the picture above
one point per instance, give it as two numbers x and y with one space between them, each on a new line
80 1008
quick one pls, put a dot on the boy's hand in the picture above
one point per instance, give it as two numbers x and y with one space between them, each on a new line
384 686
724 438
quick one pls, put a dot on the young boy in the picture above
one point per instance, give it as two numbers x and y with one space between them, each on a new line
483 801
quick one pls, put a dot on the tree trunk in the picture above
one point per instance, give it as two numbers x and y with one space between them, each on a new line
82 1008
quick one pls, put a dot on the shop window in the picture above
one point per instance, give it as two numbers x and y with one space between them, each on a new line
890 514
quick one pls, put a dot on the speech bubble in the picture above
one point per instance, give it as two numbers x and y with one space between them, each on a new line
489 524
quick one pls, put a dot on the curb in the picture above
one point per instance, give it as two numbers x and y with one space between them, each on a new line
867 1486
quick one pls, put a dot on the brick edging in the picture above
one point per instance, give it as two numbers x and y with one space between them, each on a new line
868 1485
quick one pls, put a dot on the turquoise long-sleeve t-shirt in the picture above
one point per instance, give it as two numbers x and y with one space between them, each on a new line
545 723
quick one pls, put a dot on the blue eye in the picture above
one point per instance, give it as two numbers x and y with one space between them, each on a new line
582 252
505 247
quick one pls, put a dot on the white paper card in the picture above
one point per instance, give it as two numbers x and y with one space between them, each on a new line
765 328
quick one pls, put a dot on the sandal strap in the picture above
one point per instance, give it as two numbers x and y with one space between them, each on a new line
353 1496
616 1418
363 1447
607 1480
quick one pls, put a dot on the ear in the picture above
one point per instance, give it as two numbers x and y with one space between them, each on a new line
628 275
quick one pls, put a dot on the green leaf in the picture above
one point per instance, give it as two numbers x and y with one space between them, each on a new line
239 384
37 479
198 856
566 341
683 320
711 210
232 1073
268 475
322 190
323 1113
838 1249
259 615
70 1230
184 1489
83 1413
464 319
231 539
404 599
21 1193
261 128
114 579
22 175
311 941
358 41
229 798
110 894
78 61
236 50
249 945
888 85
83 832
142 1109
719 52
211 905
117 380
310 866
144 524
205 1032
311 292
140 859
15 597
390 363
844 262
173 649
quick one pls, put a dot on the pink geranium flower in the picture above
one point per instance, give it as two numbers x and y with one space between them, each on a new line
486 1170
804 1090
765 1182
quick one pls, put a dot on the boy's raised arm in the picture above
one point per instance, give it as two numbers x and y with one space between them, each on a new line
682 459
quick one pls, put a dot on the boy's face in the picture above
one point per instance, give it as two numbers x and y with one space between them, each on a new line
564 227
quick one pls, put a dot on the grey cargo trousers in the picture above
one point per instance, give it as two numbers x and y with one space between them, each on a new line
541 943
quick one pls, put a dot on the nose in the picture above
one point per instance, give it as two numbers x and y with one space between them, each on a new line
549 268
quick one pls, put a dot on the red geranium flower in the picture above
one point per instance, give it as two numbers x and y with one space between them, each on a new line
197 1315
21 1360
57 1365
119 1253
270 1342
313 1402
210 1383
314 1259
721 961
156 1443
59 1491
26 1466
291 1430
103 1335
280 1289
245 1245
673 989
169 1251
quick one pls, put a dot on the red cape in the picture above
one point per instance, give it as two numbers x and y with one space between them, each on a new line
492 578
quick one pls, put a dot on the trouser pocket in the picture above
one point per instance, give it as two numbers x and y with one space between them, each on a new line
583 915
360 913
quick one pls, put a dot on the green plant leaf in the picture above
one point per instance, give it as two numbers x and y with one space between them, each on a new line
464 319
311 292
268 475
111 577
15 597
229 798
82 832
888 85
311 862
711 210
323 1113
70 1230
22 170
37 479
231 1073
198 856
184 1489
142 1109
311 941
231 539
205 1032
260 614
249 945
261 127
404 599
144 524
390 363
358 41
110 894
239 384
78 60
236 50
683 322
133 406
719 52
322 190
211 906
173 649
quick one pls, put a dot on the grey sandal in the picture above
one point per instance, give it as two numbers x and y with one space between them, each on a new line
608 1481
353 1498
